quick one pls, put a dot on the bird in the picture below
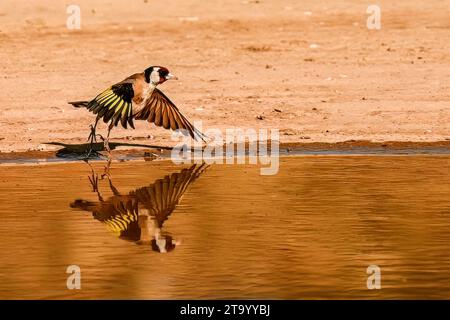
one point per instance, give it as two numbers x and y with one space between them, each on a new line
138 98
139 216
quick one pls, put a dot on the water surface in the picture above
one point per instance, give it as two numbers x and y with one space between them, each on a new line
308 232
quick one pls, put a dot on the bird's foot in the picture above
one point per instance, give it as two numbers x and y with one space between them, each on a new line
93 179
92 136
101 137
91 153
106 147
106 172
92 140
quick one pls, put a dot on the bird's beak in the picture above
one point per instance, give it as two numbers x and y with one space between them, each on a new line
171 77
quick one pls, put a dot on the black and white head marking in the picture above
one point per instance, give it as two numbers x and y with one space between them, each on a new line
156 75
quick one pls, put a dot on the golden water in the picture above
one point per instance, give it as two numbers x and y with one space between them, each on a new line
308 232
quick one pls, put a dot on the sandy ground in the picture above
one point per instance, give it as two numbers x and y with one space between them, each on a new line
315 61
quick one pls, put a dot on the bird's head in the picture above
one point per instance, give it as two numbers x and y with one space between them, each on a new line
156 75
164 244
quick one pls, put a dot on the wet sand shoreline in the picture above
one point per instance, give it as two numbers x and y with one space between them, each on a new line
352 147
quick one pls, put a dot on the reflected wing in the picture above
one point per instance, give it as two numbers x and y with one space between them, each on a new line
114 104
163 113
161 197
118 213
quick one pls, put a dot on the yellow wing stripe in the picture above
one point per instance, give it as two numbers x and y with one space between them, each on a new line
114 103
120 106
104 93
116 227
106 97
112 227
113 230
120 223
126 109
111 106
109 100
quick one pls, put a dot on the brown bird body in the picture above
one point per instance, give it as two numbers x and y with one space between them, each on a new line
138 98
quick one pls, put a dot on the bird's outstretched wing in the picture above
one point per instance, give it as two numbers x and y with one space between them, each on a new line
119 213
162 196
114 103
163 113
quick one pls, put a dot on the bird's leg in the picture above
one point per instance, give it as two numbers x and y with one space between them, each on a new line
93 179
106 144
113 189
106 172
92 138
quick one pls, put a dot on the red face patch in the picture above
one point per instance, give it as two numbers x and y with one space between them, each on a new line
163 71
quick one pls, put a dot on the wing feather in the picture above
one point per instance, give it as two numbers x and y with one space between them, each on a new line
158 114
173 120
162 196
105 98
163 113
151 116
165 123
114 104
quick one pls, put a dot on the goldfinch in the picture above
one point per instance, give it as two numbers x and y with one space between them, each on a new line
138 98
139 215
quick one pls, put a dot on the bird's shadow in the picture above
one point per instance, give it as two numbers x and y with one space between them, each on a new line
85 151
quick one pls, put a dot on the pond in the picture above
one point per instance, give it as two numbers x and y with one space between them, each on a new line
157 230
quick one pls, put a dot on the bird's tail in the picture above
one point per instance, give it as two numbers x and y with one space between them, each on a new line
79 104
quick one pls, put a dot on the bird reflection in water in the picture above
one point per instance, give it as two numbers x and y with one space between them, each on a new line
139 215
